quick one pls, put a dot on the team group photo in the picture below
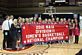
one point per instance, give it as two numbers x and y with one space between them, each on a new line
38 27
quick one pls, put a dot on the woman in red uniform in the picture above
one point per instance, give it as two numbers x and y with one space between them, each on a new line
77 31
49 21
39 20
61 23
53 20
65 21
57 20
46 21
34 20
27 20
73 24
70 30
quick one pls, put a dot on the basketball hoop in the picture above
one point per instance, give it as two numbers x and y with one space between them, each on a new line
50 14
50 10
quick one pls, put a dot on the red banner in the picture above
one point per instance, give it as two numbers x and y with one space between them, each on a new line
32 33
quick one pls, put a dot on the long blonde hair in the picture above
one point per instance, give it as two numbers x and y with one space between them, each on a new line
15 21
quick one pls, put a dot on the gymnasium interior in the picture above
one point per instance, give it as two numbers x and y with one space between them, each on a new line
28 8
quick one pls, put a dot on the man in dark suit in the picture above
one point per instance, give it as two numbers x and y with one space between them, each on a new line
13 33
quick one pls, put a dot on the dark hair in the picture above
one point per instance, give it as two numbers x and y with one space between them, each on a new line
6 16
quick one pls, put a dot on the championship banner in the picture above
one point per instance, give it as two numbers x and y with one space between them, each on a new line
32 33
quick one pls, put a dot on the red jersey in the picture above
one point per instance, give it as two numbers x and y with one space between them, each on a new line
76 29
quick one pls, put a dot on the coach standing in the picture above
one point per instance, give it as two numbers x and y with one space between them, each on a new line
11 17
5 29
13 32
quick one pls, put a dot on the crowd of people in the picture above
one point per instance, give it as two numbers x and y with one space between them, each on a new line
12 31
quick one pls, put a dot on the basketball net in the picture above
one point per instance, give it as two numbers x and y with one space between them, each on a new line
50 10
